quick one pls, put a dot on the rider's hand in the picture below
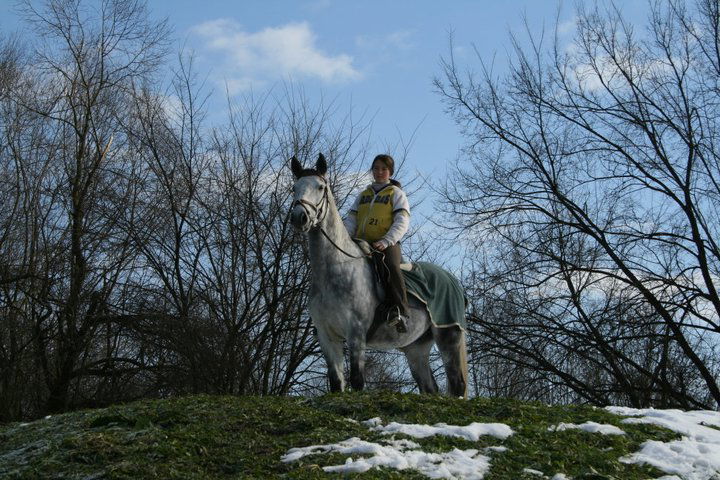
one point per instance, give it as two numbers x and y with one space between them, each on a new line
379 245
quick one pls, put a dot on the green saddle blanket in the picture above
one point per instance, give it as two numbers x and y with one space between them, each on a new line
440 291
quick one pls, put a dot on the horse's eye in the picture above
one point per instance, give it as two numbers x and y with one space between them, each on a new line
321 187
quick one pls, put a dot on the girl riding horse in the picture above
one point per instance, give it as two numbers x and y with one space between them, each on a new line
381 216
344 297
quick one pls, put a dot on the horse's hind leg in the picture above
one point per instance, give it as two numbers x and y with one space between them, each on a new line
451 343
418 358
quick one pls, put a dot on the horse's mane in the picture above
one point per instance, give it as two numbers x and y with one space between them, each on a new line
308 172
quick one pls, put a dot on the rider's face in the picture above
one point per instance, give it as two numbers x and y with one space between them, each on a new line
380 171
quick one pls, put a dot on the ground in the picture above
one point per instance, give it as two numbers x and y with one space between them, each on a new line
398 435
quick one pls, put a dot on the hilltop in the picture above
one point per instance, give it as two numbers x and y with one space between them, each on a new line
248 437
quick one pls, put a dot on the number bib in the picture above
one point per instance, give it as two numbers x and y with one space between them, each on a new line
375 213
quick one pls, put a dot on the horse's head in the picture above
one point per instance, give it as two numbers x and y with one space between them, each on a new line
310 194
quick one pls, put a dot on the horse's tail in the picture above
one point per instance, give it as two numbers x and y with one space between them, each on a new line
464 363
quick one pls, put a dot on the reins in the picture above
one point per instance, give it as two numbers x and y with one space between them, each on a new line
322 230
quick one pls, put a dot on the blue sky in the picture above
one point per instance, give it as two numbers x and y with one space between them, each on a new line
379 56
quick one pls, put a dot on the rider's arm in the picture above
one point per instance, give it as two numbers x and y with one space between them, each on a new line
401 219
398 229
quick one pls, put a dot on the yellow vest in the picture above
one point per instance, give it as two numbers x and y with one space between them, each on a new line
375 213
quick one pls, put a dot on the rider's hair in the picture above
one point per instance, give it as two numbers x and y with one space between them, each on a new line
389 162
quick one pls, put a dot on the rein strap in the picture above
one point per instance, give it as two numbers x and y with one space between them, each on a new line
322 230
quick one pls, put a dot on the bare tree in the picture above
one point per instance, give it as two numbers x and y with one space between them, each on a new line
143 252
83 65
225 276
19 219
592 178
265 259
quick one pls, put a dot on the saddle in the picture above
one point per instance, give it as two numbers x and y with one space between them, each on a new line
437 289
367 251
383 310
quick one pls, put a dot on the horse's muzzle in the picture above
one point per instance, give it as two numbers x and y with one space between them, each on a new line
299 219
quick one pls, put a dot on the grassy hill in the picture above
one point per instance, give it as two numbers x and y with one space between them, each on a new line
245 437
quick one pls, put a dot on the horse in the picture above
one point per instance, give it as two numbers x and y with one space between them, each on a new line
344 296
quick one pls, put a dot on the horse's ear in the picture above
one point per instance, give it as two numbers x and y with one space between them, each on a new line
321 165
295 167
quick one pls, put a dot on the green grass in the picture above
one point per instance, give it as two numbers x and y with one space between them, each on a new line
244 437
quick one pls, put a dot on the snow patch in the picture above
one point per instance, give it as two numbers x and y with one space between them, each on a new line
694 457
405 454
400 455
373 422
591 427
471 432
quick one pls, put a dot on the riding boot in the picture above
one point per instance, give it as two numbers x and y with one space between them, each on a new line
394 283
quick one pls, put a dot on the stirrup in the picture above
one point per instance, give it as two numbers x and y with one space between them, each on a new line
399 322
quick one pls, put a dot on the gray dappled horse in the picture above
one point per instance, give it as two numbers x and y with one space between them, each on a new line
344 295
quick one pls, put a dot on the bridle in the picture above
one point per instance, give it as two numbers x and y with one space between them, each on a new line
321 211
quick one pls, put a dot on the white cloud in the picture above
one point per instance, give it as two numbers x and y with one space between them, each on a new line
568 26
172 105
317 5
240 84
606 74
400 40
290 50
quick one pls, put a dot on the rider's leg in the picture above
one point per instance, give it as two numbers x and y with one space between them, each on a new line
395 294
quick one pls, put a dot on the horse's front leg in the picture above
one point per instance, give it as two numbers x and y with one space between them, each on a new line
356 345
333 352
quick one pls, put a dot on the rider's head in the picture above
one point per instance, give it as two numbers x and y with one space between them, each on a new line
385 159
383 167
